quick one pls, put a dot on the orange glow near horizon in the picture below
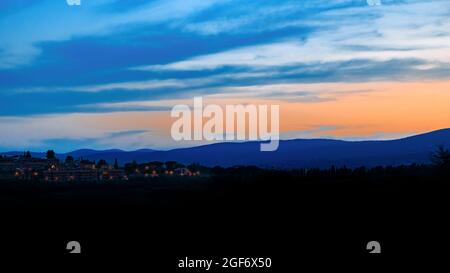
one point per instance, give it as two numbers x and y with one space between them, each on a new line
384 108
353 109
363 109
343 110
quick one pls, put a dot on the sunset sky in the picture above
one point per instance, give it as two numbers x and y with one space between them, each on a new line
105 74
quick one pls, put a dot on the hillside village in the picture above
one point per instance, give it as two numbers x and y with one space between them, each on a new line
49 168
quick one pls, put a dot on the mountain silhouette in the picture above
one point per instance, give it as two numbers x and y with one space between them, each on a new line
297 153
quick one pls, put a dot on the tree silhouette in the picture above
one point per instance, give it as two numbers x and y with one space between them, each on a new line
102 163
51 154
194 167
171 165
131 167
69 159
441 158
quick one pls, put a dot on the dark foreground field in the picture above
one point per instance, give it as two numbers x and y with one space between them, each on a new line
244 213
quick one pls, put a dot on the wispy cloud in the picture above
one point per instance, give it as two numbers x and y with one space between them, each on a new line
84 73
414 31
56 21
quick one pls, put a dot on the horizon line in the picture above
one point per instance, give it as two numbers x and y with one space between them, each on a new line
351 139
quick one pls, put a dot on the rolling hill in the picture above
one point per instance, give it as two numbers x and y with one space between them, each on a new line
307 153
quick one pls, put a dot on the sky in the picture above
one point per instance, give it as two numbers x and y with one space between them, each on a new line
106 74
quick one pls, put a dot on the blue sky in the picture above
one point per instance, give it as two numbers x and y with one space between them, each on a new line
111 57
